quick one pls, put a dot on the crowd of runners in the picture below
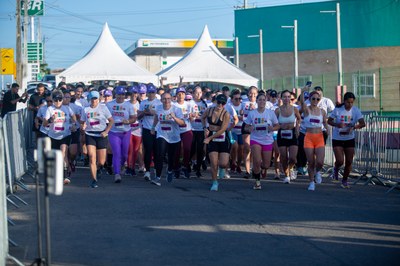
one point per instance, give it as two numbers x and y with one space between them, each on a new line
129 130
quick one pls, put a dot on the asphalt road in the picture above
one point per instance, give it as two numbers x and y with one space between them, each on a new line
183 223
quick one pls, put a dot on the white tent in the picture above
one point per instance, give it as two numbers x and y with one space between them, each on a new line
204 63
106 61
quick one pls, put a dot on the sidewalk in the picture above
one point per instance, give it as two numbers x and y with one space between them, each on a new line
183 223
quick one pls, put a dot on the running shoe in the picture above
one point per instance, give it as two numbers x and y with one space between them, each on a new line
147 176
214 186
128 171
186 172
257 185
293 174
286 180
227 175
94 184
67 181
318 177
141 170
345 185
99 172
117 178
276 177
133 173
247 175
72 166
335 175
311 186
156 181
198 174
170 176
109 170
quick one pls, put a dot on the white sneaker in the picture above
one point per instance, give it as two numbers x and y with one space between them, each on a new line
318 177
311 186
286 180
117 178
147 176
293 174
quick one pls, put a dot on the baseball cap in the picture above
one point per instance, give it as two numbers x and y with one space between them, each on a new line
107 93
273 94
151 88
221 98
93 94
142 88
120 90
180 89
133 89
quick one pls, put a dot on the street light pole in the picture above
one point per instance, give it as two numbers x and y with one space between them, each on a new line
261 57
339 42
296 60
261 62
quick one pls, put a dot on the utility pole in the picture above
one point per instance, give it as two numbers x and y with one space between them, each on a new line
18 43
25 45
244 4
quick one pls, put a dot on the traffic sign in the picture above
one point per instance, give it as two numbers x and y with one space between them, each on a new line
35 51
7 61
35 7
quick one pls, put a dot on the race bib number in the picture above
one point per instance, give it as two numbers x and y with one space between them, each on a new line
287 134
94 123
315 122
220 138
134 126
119 125
261 128
166 128
59 127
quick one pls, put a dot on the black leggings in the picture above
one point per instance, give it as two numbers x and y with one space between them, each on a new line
198 148
163 147
301 155
149 147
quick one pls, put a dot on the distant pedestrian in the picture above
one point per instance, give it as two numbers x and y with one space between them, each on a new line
11 98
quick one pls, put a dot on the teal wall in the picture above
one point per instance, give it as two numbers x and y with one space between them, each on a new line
364 23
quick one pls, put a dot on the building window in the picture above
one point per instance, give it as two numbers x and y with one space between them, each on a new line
364 84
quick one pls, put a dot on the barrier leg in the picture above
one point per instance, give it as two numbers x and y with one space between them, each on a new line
12 202
18 198
22 185
9 257
10 221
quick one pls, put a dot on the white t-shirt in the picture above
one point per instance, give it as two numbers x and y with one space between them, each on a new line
61 126
350 118
120 112
232 113
166 127
237 129
42 113
247 107
187 109
147 120
96 119
260 123
77 111
136 128
198 108
82 102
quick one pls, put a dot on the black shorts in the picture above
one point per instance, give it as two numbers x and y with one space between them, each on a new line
282 142
76 136
99 142
56 143
351 143
220 147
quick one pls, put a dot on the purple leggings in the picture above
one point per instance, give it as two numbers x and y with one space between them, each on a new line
119 142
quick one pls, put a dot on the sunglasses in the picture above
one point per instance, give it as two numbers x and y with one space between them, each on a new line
318 99
57 99
219 102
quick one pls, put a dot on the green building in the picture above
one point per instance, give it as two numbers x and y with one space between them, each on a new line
370 41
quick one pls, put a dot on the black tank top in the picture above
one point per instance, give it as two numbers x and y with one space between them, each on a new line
219 121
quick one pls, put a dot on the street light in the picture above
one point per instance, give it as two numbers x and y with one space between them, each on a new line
261 58
339 44
296 60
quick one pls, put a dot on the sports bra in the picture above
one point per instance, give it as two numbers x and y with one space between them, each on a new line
313 121
219 121
286 119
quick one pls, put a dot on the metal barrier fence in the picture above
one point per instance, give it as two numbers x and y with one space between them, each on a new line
3 203
15 147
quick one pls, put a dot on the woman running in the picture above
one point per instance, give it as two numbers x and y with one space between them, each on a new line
345 119
120 133
136 133
216 137
314 146
261 123
237 147
96 121
289 122
167 120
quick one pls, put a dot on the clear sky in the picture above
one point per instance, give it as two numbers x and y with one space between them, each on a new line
71 27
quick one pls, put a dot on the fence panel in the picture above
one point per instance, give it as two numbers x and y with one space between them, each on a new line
15 146
3 202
